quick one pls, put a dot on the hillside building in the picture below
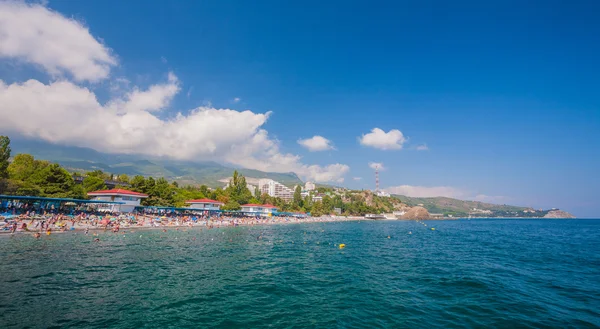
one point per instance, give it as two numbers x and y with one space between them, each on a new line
382 193
275 189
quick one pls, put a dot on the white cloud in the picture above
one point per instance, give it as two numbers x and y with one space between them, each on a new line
376 165
157 97
379 139
62 112
34 34
262 153
422 147
425 192
316 143
236 100
131 121
356 178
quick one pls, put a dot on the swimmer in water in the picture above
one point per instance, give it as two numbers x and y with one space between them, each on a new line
96 240
37 235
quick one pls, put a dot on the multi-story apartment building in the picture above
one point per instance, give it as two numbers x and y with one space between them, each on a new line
275 189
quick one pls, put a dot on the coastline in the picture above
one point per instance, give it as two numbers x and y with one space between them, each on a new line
123 227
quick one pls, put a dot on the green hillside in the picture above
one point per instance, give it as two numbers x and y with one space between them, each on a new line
78 159
461 208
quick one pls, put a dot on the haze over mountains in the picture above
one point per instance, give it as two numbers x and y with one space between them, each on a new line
184 172
213 174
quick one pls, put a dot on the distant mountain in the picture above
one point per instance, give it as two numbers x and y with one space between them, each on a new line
461 208
80 159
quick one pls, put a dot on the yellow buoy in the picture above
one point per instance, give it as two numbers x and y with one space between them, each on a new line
433 228
342 246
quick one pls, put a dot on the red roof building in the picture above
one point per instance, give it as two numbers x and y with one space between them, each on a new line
128 199
263 209
206 204
118 192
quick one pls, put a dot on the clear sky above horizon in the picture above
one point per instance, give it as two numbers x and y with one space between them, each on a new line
496 101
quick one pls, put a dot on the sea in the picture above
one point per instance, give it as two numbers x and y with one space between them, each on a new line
485 273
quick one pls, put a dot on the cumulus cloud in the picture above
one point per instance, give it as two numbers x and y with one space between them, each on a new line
62 112
316 143
236 100
132 120
157 97
379 139
35 34
263 153
422 147
376 165
425 192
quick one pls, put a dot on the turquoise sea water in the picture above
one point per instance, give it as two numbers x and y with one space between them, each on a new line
477 273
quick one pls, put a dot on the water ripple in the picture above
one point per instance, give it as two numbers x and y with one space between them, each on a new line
487 273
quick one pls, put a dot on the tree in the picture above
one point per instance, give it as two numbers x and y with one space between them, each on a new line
317 209
256 193
298 196
22 167
123 179
204 190
100 174
93 183
138 184
54 181
4 156
238 189
163 192
231 205
327 204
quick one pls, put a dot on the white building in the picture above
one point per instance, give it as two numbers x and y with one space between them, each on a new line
204 204
129 199
309 186
261 209
382 193
275 189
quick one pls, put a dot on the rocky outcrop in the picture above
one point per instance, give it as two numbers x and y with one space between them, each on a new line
416 213
558 214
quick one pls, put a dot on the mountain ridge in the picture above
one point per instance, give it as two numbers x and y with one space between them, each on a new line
80 159
465 208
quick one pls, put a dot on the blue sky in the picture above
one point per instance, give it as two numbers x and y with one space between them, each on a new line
504 94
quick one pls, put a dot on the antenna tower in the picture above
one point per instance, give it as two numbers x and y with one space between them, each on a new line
376 178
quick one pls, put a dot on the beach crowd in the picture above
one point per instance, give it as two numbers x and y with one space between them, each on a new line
36 221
